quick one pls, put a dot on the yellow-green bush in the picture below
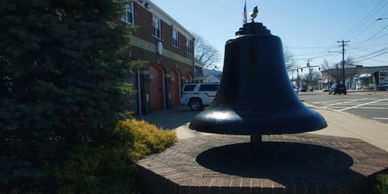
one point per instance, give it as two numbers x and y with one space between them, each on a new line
148 139
110 168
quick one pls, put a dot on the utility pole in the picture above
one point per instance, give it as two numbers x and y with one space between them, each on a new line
298 78
343 58
309 80
193 60
337 77
310 76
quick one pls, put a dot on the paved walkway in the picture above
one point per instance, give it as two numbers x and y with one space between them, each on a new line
343 124
340 124
302 163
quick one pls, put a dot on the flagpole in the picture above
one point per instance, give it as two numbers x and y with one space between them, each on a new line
245 13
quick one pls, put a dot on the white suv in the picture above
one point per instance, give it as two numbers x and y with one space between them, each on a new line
198 95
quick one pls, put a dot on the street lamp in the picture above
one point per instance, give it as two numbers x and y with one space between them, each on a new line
380 18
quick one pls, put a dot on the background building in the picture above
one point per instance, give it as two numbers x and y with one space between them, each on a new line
356 78
167 47
211 75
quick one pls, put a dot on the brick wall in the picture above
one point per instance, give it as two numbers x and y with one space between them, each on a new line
143 21
145 49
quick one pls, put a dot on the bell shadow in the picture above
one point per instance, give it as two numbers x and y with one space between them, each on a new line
278 161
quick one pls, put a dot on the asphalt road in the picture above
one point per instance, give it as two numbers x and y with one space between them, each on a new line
371 105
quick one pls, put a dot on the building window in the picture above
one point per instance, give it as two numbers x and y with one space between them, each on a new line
175 38
189 46
156 28
129 16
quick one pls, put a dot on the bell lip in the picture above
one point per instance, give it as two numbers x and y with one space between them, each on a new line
257 132
301 121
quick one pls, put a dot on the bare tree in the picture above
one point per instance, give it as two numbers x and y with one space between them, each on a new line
205 52
350 68
334 71
350 62
316 75
289 58
329 71
325 65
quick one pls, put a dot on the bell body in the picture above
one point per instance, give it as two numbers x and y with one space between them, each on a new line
255 96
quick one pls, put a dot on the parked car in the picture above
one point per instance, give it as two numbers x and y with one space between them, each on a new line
198 95
382 87
337 89
296 90
304 88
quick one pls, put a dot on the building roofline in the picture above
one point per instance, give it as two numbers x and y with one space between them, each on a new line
374 67
363 67
156 10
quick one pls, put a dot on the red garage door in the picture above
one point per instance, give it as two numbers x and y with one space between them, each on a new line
175 93
156 88
187 78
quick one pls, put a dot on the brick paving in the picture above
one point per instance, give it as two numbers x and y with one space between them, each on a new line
286 164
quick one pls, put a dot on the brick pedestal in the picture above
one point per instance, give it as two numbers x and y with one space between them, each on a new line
286 164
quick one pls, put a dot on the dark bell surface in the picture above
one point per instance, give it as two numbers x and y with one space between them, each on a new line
253 28
255 95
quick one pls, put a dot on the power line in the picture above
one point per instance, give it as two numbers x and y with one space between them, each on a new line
310 47
386 26
313 57
365 17
312 54
378 60
371 15
369 45
384 14
374 54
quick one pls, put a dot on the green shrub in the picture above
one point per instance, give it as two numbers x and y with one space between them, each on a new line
18 176
96 170
64 81
110 168
381 184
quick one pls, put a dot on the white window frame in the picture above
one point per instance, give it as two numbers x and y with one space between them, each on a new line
189 46
129 11
156 27
175 38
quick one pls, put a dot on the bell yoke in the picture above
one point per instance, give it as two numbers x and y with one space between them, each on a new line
255 96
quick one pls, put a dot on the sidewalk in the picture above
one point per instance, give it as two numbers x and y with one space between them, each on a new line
343 124
340 124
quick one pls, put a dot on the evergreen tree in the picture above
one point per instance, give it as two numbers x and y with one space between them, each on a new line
63 78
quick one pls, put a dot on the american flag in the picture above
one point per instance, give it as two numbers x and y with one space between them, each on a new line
245 13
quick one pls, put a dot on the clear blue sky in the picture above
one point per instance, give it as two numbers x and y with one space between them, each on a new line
308 28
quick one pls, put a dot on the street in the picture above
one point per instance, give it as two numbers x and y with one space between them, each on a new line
361 115
371 105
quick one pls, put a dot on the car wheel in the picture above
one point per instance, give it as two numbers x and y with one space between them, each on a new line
195 104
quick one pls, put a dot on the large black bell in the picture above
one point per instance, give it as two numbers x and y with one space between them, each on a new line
255 96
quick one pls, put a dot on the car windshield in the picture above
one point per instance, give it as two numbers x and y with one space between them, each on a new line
208 87
189 88
340 86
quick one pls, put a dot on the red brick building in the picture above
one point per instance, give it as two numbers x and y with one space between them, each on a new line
168 49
